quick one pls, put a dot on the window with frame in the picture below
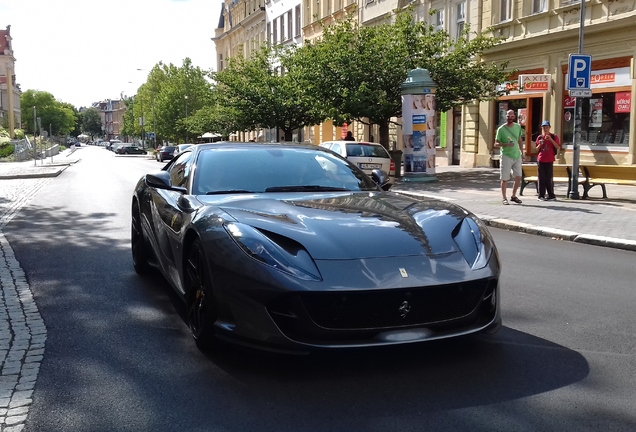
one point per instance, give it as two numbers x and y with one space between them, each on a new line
281 23
439 19
298 22
275 32
269 33
504 10
539 6
289 25
220 62
327 7
460 18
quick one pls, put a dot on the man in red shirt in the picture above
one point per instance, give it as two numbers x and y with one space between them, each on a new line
548 145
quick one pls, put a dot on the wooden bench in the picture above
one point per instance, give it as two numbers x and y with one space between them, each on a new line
601 175
561 174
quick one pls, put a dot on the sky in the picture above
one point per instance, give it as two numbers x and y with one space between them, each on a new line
85 51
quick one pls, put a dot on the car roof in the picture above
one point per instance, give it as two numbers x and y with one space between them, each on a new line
240 145
353 142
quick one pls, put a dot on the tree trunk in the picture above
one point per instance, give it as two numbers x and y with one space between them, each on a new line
384 134
288 135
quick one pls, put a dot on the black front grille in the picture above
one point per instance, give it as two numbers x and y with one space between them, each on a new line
393 308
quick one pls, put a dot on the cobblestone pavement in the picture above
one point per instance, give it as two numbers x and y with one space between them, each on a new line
22 330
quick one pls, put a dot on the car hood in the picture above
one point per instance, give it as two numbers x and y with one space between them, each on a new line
352 225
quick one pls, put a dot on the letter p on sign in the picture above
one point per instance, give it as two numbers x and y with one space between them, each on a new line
579 72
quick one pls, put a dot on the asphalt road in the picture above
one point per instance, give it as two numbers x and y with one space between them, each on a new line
119 357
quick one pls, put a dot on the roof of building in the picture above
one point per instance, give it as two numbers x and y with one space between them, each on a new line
5 40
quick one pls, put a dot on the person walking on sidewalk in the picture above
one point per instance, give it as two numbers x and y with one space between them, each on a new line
547 146
508 140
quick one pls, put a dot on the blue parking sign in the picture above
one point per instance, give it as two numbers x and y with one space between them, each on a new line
579 72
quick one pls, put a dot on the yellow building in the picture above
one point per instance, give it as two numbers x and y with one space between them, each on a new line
540 35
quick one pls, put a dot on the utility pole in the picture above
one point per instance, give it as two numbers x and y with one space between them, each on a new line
42 144
578 120
51 135
186 117
35 146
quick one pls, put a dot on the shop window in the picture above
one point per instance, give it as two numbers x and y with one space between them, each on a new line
604 120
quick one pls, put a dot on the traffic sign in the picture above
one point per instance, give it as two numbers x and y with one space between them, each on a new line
581 93
579 72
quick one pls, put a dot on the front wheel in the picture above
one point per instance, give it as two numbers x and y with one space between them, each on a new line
137 243
201 308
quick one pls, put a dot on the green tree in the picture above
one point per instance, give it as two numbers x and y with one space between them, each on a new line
356 72
59 116
261 96
91 122
128 126
169 97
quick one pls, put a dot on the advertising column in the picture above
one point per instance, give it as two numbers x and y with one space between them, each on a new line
418 123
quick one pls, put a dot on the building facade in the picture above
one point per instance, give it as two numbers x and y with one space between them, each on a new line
112 116
539 36
9 89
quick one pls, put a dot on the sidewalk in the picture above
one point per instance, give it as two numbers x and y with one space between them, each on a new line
39 169
596 221
605 222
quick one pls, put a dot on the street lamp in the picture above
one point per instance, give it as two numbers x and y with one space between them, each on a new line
186 117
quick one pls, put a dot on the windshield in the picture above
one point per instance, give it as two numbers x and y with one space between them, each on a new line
269 169
367 150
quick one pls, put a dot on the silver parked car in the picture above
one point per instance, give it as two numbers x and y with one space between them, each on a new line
365 155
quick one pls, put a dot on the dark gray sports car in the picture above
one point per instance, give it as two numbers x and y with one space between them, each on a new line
293 248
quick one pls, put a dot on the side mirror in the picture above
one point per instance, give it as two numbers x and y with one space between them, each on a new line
380 178
161 180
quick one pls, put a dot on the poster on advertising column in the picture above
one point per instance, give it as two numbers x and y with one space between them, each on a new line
418 128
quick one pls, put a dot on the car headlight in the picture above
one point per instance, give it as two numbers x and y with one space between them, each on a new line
275 251
474 242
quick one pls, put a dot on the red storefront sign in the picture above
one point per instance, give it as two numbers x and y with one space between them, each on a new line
623 102
569 102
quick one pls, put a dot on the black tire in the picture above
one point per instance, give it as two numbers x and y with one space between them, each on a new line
200 304
137 243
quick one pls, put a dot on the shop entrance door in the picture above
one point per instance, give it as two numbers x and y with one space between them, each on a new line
457 137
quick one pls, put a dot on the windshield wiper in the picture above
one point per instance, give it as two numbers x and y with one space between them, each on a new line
230 191
313 188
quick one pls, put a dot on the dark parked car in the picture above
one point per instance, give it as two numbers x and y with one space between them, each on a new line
291 247
165 153
130 149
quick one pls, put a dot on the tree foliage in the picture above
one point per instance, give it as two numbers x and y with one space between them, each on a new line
167 100
59 117
356 72
91 122
262 96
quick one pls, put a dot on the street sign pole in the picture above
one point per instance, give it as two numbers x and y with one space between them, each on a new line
578 118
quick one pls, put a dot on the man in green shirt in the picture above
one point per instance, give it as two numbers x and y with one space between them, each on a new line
509 140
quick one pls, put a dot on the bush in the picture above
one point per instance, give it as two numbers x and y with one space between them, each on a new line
6 150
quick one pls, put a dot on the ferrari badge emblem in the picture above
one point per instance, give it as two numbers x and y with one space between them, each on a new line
404 309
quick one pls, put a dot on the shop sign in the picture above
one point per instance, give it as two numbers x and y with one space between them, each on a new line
610 78
622 102
569 102
535 83
508 87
